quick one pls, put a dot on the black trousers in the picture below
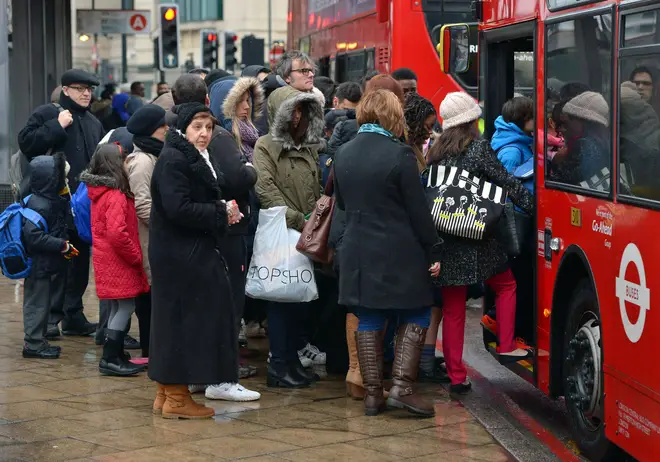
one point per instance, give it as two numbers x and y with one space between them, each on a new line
233 251
74 285
143 313
38 295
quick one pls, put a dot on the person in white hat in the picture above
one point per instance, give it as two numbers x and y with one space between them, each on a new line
587 136
466 261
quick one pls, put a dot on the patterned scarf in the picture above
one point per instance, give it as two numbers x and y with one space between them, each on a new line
249 137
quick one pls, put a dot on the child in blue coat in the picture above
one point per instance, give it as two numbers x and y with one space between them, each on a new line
513 139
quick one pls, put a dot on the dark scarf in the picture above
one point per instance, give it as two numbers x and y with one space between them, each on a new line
69 104
249 136
148 144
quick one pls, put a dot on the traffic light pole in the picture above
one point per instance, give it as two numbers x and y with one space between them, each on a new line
125 5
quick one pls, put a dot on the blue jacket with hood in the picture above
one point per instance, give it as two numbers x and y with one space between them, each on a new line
217 95
512 145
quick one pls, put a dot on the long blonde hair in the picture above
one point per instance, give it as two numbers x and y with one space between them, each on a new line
235 128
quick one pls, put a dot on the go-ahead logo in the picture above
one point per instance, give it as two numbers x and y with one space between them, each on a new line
637 294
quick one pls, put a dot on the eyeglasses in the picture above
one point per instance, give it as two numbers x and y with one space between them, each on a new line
643 83
82 89
304 71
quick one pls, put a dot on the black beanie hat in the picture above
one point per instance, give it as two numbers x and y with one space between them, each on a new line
146 120
186 112
73 76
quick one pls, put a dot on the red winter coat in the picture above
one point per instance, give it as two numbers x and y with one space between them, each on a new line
116 252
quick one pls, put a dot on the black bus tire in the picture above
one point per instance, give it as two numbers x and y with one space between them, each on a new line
581 334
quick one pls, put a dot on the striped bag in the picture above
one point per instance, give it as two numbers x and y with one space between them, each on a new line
462 204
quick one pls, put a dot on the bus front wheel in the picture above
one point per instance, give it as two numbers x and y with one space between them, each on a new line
583 374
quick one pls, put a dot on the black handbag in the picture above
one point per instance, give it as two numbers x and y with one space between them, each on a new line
514 230
462 204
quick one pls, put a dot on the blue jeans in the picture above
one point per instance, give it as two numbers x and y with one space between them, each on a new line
374 319
284 321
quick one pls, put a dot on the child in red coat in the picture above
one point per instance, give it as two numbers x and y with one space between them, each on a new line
116 252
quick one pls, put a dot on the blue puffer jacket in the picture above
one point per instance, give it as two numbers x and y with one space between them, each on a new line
513 147
217 95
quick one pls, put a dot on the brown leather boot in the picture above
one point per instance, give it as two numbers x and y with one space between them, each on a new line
179 404
407 353
370 353
160 399
354 386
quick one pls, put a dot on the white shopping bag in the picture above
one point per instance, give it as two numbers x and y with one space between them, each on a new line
278 272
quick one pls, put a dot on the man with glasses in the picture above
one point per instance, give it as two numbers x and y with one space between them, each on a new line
642 77
67 127
297 70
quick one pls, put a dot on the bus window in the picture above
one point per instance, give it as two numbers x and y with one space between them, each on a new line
639 125
579 57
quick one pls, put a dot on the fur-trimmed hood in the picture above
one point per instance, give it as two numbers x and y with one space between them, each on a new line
281 106
97 185
98 180
242 85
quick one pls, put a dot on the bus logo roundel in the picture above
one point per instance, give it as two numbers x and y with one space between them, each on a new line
636 294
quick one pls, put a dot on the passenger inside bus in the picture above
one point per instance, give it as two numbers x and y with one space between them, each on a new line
585 124
639 144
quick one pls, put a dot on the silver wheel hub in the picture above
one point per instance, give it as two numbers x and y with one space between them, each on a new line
584 381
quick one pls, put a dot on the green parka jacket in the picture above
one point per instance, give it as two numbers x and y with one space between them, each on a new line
289 175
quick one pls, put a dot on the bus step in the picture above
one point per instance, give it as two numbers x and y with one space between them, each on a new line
524 368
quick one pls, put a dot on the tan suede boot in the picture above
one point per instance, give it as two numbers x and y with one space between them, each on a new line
179 404
354 386
160 399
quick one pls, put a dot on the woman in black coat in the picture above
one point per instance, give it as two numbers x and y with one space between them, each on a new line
388 252
193 328
467 261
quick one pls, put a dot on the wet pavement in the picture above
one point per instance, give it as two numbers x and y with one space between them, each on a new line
52 410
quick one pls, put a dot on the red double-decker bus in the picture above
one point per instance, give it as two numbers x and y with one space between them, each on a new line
586 295
347 38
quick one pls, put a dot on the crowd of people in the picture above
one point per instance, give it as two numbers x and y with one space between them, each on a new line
175 187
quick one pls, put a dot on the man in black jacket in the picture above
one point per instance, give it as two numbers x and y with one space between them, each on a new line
239 178
73 130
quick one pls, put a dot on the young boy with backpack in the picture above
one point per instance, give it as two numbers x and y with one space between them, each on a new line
47 245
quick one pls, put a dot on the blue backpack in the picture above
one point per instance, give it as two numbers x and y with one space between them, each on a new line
81 207
14 260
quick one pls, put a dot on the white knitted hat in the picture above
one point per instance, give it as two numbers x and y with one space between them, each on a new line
458 108
589 106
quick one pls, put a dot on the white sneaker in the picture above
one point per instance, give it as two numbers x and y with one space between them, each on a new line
231 392
311 352
196 388
304 360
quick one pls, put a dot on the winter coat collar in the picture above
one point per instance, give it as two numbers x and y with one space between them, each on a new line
98 180
242 85
197 163
69 104
284 109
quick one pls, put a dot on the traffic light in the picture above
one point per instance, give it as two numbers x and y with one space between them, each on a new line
209 43
169 37
230 51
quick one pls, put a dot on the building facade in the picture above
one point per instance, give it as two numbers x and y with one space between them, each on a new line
242 17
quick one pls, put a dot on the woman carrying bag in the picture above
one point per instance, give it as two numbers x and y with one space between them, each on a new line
470 261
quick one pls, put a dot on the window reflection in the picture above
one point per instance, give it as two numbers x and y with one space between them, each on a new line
578 95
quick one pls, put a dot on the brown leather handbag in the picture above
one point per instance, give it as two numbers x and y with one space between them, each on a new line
313 240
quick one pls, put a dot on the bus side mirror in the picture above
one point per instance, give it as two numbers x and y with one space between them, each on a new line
454 48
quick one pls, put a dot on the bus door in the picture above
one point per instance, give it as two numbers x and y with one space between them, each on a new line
507 57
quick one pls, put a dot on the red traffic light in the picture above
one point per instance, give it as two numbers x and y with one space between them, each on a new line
211 37
170 14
